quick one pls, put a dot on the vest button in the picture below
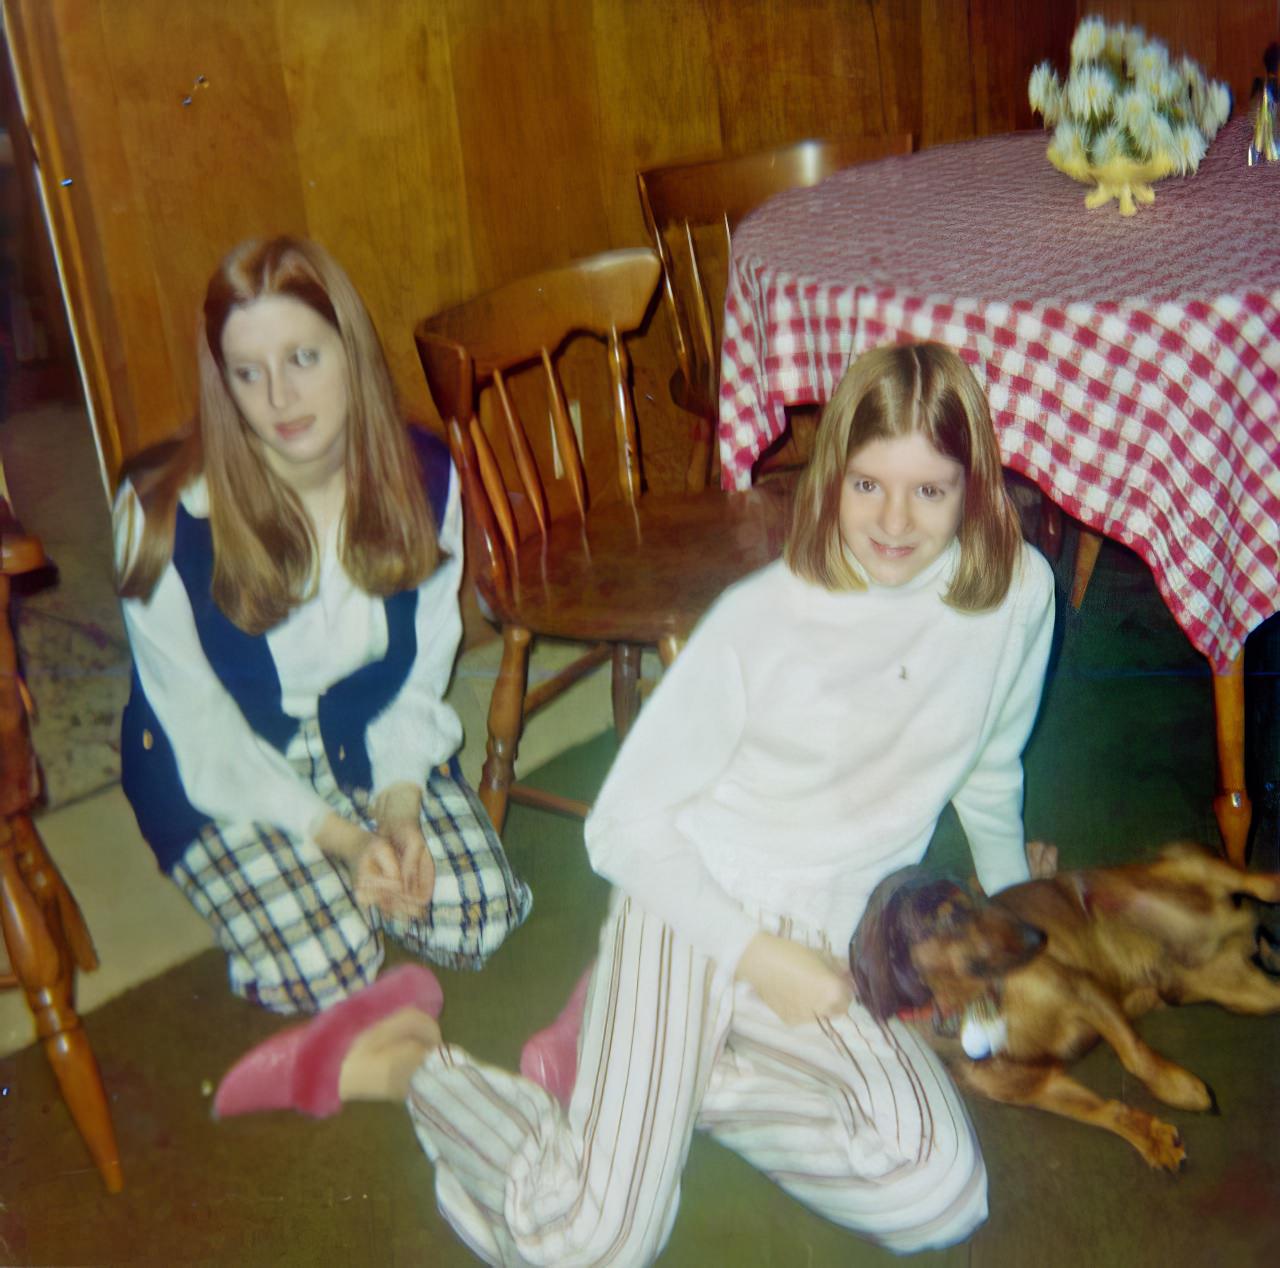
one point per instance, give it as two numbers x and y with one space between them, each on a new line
342 752
147 740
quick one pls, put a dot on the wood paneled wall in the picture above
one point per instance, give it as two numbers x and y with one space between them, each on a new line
439 147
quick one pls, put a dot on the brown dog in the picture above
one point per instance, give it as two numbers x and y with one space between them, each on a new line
1014 988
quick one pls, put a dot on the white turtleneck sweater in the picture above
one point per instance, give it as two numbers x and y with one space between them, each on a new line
804 743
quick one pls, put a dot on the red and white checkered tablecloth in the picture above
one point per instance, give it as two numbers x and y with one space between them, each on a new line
1132 364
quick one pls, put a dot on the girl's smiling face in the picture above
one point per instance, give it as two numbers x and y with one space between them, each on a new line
900 506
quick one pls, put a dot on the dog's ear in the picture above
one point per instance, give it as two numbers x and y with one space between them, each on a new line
880 952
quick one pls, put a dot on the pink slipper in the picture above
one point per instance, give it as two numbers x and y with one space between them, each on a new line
298 1068
550 1057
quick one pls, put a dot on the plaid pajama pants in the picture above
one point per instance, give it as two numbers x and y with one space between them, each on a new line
286 914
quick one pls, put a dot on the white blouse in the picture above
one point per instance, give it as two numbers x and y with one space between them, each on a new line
228 771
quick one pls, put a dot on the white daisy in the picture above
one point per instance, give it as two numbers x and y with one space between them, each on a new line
1158 140
1089 41
1188 147
1161 83
1110 145
1133 111
1149 61
1068 146
1215 109
1115 42
1090 91
1135 39
1045 92
1139 142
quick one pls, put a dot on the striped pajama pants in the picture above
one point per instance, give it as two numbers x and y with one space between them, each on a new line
856 1120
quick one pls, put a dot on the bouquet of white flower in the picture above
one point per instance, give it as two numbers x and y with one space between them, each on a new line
1127 114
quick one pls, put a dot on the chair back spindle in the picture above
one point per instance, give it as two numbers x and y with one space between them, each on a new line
624 419
566 439
476 350
530 481
690 211
493 537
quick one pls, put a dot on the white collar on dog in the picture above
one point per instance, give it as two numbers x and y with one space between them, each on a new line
983 1032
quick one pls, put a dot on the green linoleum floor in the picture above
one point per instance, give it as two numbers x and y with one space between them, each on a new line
1121 760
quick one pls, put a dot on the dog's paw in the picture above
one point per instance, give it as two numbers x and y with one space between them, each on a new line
1162 1147
1182 1089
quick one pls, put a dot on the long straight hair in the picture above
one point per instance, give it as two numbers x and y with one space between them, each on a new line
265 553
891 392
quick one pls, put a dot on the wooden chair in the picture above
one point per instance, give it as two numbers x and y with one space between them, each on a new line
44 932
691 210
550 559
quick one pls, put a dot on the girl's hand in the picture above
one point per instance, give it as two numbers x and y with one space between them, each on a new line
340 838
1042 859
392 867
397 811
397 877
798 984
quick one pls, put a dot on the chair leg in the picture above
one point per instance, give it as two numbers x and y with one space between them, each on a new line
701 435
506 717
31 914
1087 548
626 687
669 649
1050 529
1232 806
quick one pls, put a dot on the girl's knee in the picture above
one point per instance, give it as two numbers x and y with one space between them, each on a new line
573 1206
951 1204
505 913
591 1236
481 925
306 980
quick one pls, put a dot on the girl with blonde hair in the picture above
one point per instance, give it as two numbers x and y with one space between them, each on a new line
289 570
802 747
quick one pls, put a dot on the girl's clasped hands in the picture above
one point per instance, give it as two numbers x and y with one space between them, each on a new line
391 865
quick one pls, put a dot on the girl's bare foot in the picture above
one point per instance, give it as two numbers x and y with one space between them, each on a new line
382 1060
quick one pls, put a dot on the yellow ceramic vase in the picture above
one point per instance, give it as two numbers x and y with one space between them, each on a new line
1124 179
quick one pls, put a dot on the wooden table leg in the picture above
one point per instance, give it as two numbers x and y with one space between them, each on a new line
1088 544
1232 802
1050 530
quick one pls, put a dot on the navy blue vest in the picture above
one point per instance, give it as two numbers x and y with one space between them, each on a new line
244 666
